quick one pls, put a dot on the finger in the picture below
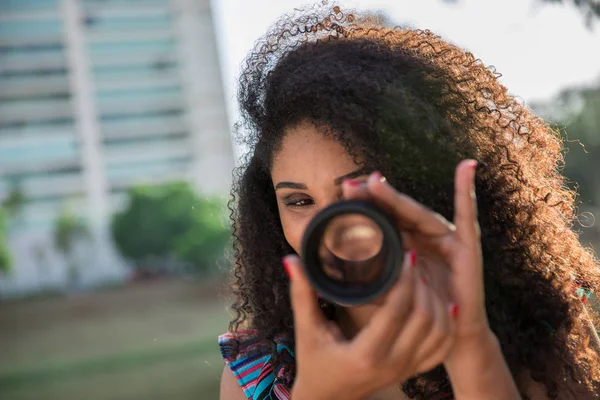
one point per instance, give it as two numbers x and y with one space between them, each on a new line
417 326
439 354
376 339
355 190
335 331
309 321
437 272
465 203
410 214
439 333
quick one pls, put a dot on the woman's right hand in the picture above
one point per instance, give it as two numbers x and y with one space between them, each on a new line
410 333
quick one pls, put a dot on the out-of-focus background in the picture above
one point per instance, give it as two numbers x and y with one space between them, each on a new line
116 159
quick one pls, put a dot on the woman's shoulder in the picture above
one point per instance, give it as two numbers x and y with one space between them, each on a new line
262 367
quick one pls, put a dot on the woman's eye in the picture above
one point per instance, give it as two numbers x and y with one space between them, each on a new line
298 202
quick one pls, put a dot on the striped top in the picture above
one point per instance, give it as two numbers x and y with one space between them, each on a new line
250 361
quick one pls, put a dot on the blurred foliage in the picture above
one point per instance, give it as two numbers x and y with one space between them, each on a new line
5 255
589 8
583 141
576 113
10 209
14 202
169 221
68 228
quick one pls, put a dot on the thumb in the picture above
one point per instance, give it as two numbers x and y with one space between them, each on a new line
309 321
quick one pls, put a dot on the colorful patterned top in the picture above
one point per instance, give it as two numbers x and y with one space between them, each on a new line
250 361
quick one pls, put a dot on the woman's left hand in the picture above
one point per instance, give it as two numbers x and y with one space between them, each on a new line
449 253
451 257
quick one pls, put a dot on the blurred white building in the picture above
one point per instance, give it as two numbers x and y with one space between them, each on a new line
95 96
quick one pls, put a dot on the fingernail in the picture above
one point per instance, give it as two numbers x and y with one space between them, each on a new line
454 310
377 175
413 257
287 267
473 164
351 182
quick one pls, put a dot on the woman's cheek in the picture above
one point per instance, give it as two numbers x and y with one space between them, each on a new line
293 229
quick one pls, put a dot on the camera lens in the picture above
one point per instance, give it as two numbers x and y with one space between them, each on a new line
352 252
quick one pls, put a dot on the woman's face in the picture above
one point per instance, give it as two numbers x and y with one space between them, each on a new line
307 174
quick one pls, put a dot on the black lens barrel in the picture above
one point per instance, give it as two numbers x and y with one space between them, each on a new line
352 294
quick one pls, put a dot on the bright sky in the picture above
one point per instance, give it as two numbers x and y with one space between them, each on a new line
538 48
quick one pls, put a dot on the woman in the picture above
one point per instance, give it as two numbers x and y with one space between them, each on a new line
335 106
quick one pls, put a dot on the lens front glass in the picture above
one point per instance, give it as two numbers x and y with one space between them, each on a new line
350 250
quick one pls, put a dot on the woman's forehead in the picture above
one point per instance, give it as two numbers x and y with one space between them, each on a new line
305 149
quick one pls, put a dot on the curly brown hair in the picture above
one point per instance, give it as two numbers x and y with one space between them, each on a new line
413 105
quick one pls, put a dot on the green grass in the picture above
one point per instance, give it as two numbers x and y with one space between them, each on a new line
153 341
67 369
188 378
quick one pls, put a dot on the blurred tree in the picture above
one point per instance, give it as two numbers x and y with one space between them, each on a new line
576 114
14 202
5 256
169 221
203 245
68 230
10 210
589 8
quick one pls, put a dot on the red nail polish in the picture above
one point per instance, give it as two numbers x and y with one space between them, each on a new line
352 182
413 257
454 311
287 267
473 164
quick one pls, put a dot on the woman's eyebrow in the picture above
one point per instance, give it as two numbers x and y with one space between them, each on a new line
290 185
337 181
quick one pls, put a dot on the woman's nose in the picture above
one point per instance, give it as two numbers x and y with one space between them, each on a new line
334 198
